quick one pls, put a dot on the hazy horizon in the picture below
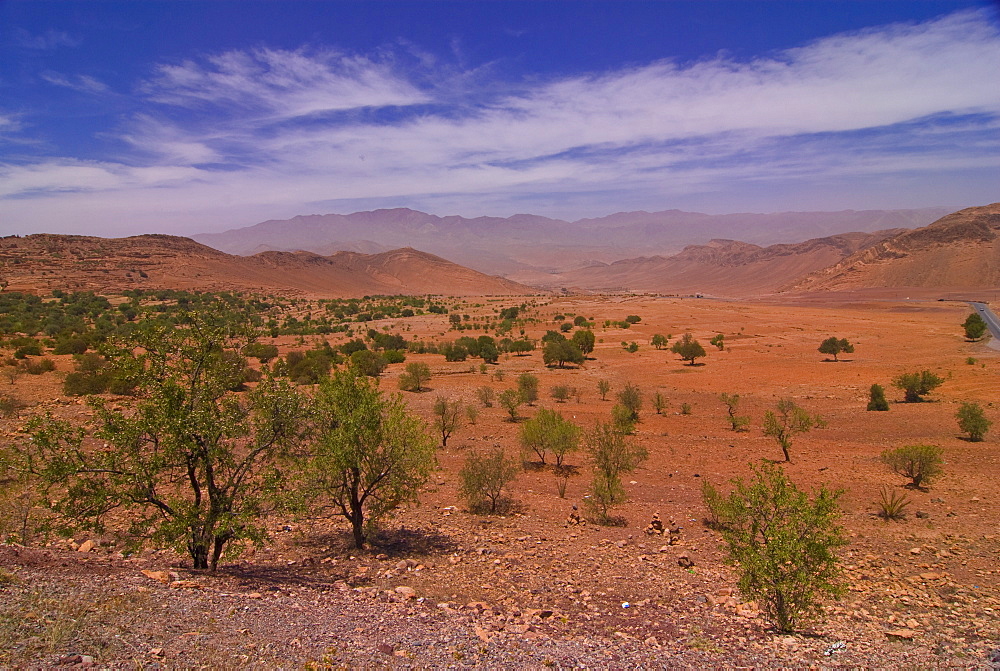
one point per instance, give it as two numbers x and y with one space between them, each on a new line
184 118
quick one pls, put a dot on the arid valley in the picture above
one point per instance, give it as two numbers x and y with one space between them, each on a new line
528 587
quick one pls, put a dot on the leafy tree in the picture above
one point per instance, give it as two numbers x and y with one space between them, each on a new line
919 463
192 463
561 352
972 420
510 400
621 419
527 387
876 398
688 349
417 374
560 393
736 422
603 387
521 346
584 340
368 362
633 319
454 352
485 395
614 454
719 342
917 385
484 478
659 341
783 544
834 346
488 350
370 454
975 327
630 397
447 417
786 423
548 432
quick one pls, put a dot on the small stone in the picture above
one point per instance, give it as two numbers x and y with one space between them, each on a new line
912 624
402 565
156 652
789 641
86 546
921 514
406 592
159 576
915 551
185 584
684 561
255 595
901 634
385 648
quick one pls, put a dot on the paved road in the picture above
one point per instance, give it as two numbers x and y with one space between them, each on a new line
991 322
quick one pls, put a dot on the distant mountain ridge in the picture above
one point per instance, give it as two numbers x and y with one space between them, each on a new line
526 243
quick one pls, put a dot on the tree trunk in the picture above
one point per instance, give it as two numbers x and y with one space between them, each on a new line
199 553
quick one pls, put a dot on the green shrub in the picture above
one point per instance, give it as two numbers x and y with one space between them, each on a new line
416 375
548 432
24 351
614 454
783 544
917 385
919 463
876 398
83 384
393 356
972 420
484 477
39 366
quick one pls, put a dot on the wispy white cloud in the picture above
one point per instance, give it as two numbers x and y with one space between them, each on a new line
83 83
274 132
285 83
50 39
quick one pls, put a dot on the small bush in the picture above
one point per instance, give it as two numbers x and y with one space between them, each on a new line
484 477
24 351
876 398
919 463
486 395
614 454
39 366
892 504
560 393
972 420
917 385
416 375
685 408
782 543
8 405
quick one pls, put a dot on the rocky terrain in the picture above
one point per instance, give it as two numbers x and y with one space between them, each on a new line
443 587
108 265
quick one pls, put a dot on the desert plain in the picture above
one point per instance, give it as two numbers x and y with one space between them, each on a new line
443 587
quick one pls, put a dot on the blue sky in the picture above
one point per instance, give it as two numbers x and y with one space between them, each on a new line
119 118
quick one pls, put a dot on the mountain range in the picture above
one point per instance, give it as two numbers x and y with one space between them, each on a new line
524 245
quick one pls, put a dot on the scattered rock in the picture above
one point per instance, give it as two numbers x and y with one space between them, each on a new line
901 634
161 576
185 584
86 546
385 648
685 561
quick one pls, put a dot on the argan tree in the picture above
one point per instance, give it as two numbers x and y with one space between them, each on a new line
783 544
876 399
484 477
919 463
510 400
614 454
527 387
732 402
416 375
447 415
917 385
688 349
658 341
584 340
972 420
603 387
370 454
190 463
630 397
560 352
835 346
549 432
784 424
719 341
975 327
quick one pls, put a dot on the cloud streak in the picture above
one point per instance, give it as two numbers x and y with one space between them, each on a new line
277 132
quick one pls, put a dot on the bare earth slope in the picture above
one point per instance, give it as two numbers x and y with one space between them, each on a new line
81 263
723 267
957 252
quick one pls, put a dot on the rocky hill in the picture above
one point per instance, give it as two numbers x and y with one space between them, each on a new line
722 267
957 252
80 263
